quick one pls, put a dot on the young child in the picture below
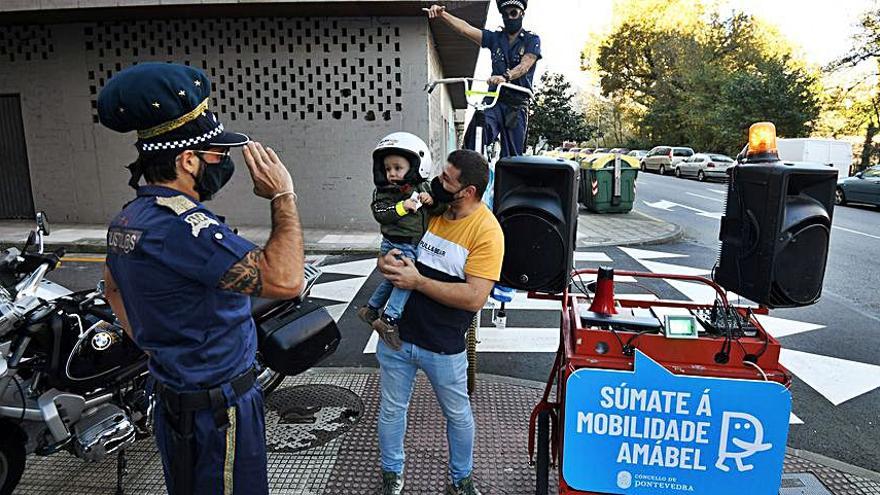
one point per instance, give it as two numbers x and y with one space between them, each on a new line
402 204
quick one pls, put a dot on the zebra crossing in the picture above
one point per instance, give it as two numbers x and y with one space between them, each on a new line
532 324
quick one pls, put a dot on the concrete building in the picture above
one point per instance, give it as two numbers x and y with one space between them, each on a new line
320 81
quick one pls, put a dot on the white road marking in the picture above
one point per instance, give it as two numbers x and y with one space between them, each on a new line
348 239
591 256
794 420
361 268
340 290
780 327
520 340
643 254
838 380
706 197
658 267
667 205
855 232
336 311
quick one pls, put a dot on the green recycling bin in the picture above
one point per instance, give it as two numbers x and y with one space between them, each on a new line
608 183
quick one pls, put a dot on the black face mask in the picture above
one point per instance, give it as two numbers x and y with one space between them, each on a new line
442 195
512 26
212 177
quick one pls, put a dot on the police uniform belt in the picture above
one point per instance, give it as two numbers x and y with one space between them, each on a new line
190 401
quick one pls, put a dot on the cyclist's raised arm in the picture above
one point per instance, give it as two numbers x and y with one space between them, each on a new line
458 25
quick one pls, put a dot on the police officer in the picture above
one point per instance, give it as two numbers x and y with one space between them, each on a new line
514 54
179 278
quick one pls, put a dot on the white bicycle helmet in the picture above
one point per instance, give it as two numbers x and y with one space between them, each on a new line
409 146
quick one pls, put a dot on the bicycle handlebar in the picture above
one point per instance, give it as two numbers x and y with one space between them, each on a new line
469 82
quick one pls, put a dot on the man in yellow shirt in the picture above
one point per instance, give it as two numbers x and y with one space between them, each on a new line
459 260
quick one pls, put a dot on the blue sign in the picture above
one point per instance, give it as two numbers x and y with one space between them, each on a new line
649 431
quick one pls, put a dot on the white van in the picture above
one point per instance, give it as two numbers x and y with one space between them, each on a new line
831 152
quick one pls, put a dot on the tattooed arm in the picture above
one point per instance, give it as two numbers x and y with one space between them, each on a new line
114 297
275 271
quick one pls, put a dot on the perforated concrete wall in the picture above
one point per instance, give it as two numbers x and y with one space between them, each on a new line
321 91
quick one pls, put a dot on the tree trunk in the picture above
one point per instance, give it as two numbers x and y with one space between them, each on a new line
868 148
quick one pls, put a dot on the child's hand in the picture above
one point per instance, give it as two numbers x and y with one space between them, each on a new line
426 199
410 205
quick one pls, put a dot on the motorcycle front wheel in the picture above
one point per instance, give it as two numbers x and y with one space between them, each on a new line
12 459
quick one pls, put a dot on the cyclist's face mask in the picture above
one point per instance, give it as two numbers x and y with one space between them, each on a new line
213 175
513 20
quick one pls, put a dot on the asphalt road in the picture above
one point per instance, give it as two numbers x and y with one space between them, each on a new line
833 347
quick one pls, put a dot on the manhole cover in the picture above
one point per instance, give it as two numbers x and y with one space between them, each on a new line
802 484
307 416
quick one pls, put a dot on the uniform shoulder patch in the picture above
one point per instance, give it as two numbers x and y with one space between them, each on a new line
179 204
198 221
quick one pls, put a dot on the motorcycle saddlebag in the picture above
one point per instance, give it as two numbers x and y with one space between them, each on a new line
295 336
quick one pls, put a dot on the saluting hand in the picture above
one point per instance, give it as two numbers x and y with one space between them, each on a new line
435 11
269 174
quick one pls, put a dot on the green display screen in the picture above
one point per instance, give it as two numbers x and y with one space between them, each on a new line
681 326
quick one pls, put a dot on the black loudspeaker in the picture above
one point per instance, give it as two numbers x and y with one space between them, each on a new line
775 232
536 205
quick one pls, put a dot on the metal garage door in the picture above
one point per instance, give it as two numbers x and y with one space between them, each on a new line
16 200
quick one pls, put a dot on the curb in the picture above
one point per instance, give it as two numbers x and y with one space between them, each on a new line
834 464
89 246
673 236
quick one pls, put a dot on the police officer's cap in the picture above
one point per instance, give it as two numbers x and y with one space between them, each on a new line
520 4
167 104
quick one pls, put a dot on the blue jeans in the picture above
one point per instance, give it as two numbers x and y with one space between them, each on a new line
396 298
448 377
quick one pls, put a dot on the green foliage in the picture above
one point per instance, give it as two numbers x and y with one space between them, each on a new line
703 85
553 115
856 109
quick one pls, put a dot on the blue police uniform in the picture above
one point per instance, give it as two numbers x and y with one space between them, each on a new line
167 254
502 119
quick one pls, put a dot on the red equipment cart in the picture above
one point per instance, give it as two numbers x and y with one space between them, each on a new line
590 344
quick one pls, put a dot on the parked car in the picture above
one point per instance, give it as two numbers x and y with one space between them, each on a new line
622 151
638 154
601 150
864 187
704 166
571 154
665 158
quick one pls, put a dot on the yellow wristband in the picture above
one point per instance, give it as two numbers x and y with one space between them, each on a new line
400 209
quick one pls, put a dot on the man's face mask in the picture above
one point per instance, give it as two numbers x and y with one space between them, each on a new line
513 20
213 176
442 195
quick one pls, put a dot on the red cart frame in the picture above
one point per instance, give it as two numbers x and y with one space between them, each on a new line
590 347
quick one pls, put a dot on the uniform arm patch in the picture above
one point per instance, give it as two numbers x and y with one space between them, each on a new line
123 241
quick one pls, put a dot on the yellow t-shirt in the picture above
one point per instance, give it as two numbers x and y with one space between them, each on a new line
450 251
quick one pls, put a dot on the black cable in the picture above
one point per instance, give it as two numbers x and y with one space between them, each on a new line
630 343
619 341
23 400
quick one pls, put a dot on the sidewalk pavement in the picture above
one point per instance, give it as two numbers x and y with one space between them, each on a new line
594 230
332 450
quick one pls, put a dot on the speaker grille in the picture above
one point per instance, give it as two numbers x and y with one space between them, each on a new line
532 255
797 282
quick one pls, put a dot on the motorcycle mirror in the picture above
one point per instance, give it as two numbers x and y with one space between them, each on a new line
101 287
31 239
43 222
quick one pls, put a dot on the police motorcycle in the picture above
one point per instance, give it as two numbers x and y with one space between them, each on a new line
71 379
